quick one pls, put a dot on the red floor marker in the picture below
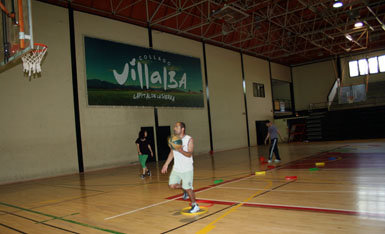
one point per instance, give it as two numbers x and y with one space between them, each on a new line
270 167
262 159
290 177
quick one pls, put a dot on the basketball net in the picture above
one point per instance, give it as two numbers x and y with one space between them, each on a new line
32 59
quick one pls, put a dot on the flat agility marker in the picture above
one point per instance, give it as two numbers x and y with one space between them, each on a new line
260 173
218 181
313 169
290 177
262 160
320 164
270 167
202 210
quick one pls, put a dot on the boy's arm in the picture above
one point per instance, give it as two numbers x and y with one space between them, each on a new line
169 159
267 137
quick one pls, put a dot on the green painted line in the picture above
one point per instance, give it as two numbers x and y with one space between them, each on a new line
66 220
44 221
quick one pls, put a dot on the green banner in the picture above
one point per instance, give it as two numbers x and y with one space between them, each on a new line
125 75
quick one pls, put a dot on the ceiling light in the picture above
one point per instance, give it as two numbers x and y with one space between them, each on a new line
350 38
358 24
337 4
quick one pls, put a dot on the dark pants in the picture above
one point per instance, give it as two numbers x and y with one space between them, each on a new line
274 148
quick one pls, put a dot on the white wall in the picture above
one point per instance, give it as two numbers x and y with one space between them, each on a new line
280 72
196 119
312 83
224 73
37 119
258 108
108 132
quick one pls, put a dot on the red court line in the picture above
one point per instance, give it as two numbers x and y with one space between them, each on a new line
213 185
287 207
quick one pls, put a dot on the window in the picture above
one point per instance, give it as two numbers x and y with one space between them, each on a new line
363 67
258 90
381 63
353 68
373 65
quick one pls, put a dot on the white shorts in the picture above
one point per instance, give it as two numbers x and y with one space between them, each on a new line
185 177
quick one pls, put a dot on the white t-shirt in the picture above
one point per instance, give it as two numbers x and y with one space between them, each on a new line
181 162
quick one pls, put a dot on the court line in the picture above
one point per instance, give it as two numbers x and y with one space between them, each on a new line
59 218
294 207
37 222
173 198
59 202
14 229
294 191
211 226
214 185
209 215
277 168
195 220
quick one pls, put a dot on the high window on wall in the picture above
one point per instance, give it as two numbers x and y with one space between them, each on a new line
258 90
363 67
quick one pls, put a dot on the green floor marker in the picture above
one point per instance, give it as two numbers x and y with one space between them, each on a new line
218 181
314 169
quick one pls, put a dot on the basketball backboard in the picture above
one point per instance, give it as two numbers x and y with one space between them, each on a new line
16 36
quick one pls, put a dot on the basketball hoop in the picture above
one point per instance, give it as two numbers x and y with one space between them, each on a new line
32 59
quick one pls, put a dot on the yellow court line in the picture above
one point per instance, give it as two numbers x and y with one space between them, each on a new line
211 226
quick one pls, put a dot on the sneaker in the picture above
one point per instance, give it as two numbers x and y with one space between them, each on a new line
185 196
148 173
194 209
277 160
269 161
142 176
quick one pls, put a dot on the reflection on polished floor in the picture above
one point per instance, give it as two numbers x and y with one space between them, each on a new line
344 194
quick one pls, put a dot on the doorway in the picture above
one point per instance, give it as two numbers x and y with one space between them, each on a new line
261 128
162 133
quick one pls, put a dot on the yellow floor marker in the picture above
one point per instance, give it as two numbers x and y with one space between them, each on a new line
201 211
320 164
260 173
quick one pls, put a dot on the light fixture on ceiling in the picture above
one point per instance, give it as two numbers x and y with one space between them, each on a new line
358 24
337 4
350 38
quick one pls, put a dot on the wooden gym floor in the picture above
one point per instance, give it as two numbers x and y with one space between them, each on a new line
347 195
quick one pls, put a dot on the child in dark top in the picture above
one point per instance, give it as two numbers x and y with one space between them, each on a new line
273 134
144 149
